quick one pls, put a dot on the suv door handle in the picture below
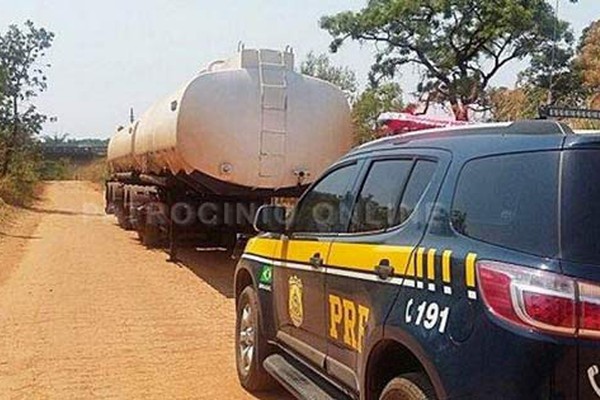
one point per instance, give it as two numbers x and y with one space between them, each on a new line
316 261
384 270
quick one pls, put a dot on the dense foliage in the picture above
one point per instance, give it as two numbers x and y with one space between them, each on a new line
22 52
320 66
458 46
574 82
370 104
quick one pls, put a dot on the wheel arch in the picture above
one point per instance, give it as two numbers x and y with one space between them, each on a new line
391 357
243 278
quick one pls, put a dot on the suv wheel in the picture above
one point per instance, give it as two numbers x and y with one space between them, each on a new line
409 387
251 346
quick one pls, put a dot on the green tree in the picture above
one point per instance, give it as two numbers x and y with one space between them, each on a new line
370 104
56 139
2 77
571 74
457 45
513 104
21 51
320 66
588 61
555 69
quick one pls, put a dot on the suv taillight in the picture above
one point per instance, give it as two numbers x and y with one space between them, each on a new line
540 300
589 309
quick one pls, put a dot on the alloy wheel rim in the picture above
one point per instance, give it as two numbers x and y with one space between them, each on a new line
246 338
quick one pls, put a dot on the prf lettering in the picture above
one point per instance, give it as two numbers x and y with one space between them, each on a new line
347 321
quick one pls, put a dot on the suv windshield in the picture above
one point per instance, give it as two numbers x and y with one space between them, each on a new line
581 206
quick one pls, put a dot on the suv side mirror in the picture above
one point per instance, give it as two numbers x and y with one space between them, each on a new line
270 219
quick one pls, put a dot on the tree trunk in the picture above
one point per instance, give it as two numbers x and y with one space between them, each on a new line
8 153
461 113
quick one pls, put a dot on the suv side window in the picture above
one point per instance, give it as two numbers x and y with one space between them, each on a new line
388 196
419 182
325 208
510 201
380 195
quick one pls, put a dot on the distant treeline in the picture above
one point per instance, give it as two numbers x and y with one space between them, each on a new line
74 148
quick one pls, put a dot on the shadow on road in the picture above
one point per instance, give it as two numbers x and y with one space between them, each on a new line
217 268
24 237
277 394
213 267
63 212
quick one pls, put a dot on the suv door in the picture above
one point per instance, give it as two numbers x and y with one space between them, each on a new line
299 284
498 208
372 260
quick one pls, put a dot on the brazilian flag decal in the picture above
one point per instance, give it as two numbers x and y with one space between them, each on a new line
266 275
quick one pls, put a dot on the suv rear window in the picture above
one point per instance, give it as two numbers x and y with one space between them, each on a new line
581 206
510 201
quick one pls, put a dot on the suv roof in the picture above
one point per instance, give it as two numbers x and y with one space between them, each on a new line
481 139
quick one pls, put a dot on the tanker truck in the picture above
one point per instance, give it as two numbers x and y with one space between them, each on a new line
244 132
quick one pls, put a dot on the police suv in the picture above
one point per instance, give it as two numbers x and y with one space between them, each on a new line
459 263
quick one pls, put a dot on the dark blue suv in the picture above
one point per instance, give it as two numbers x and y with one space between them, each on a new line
450 264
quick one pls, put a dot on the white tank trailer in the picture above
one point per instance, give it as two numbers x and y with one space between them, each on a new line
244 132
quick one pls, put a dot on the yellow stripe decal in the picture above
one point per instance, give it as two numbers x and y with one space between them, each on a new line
262 247
410 269
470 269
420 253
346 255
303 250
446 257
365 257
431 264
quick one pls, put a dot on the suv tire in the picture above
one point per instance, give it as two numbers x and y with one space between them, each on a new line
413 386
251 347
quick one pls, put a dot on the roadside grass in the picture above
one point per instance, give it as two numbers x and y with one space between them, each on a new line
21 187
95 171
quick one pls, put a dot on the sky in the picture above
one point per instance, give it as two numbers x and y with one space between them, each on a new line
111 55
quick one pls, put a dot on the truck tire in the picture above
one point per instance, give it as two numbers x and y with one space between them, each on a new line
151 236
122 220
251 347
414 386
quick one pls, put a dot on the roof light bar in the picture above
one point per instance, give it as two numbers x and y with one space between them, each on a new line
563 112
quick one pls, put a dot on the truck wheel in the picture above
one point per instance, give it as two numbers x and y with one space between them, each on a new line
251 347
122 219
413 386
151 235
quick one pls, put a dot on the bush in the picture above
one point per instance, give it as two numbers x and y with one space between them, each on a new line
19 187
95 171
55 170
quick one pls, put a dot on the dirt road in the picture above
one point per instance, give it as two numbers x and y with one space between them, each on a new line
87 312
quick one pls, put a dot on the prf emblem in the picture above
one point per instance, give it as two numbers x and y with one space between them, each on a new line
295 306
